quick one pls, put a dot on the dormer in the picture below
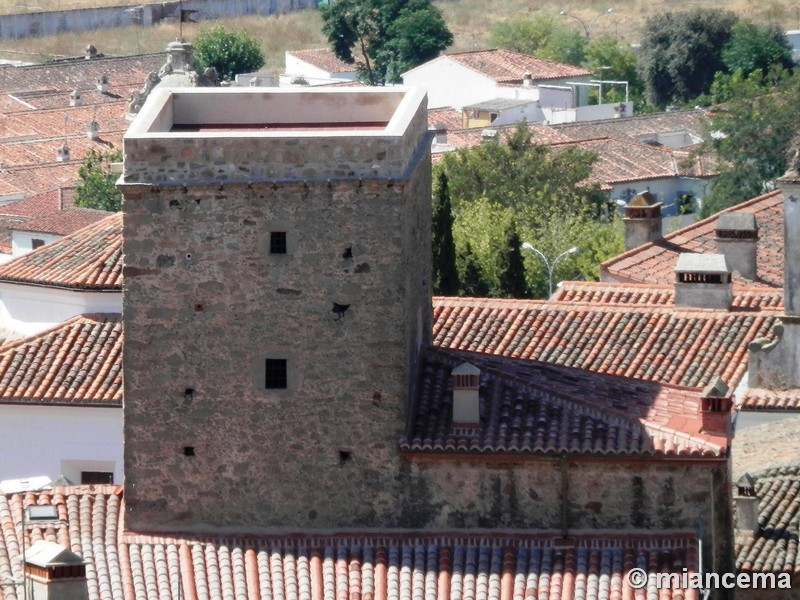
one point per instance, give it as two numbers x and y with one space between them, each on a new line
703 281
737 239
466 399
642 220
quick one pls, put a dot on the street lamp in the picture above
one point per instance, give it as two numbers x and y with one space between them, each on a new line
550 266
586 28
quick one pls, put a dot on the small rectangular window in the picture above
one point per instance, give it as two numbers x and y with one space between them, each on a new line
277 242
275 374
96 477
35 243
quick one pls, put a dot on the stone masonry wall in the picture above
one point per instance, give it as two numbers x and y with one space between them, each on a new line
206 303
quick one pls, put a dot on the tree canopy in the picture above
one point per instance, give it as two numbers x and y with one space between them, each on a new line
544 36
385 38
681 52
754 47
97 185
229 51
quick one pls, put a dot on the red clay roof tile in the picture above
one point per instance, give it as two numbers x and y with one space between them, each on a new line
323 58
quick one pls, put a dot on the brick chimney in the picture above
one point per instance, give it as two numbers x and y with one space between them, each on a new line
715 408
642 220
703 281
55 573
466 401
746 503
737 239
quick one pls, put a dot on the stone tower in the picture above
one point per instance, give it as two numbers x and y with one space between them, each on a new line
277 252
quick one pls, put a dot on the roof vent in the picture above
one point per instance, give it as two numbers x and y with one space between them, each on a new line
703 281
466 401
527 79
102 84
441 133
75 98
737 239
715 408
93 131
90 52
746 503
62 154
642 220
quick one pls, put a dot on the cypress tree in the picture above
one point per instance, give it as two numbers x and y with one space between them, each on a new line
471 275
512 267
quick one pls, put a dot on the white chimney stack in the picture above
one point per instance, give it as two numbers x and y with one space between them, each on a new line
62 154
75 98
102 84
703 281
93 131
466 399
746 503
737 239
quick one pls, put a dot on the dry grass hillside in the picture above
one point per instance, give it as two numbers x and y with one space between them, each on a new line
470 21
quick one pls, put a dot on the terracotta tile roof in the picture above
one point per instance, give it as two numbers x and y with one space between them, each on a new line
88 259
63 122
38 100
45 150
534 408
640 127
64 221
765 399
448 116
78 362
323 58
685 347
754 298
40 205
469 138
774 547
394 565
38 178
504 66
655 262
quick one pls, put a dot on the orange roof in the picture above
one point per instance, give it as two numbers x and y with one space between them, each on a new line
324 59
655 262
447 116
88 259
42 177
75 362
63 222
313 566
675 346
639 127
504 66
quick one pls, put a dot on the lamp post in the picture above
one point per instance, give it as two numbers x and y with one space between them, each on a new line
550 265
586 28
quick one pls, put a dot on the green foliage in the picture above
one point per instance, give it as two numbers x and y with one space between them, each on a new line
97 185
497 186
385 38
616 54
445 275
752 135
229 51
511 267
543 36
755 47
681 53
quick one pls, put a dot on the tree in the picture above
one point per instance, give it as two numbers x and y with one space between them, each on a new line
97 185
543 36
470 274
751 136
512 267
755 47
611 57
681 53
385 38
229 51
445 274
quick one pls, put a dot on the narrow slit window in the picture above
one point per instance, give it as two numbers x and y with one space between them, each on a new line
277 242
275 377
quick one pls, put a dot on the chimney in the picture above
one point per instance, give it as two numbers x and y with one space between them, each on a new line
737 239
620 110
642 220
703 281
715 408
441 133
102 84
466 403
527 79
93 131
487 135
90 52
62 154
746 503
75 98
789 184
55 573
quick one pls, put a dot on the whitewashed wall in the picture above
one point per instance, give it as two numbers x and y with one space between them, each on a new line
28 309
21 241
56 440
